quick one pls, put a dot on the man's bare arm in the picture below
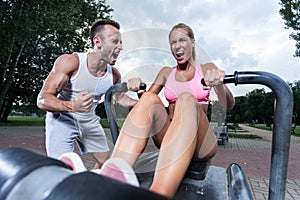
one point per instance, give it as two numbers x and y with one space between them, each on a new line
64 67
124 100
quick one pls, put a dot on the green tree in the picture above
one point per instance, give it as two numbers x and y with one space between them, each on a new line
255 105
237 114
33 34
290 13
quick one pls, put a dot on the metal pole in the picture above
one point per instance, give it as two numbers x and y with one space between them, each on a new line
282 125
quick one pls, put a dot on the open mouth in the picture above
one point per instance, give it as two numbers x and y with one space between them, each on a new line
179 54
115 55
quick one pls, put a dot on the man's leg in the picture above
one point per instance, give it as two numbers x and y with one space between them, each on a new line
58 136
94 141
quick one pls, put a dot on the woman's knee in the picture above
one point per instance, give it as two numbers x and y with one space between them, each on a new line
149 114
187 102
149 98
187 98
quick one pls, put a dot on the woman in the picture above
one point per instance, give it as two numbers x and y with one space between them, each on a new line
184 134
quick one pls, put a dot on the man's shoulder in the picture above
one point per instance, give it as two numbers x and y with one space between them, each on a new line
68 58
67 61
116 74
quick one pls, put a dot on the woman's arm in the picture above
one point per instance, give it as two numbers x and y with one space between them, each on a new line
133 84
214 77
225 96
160 80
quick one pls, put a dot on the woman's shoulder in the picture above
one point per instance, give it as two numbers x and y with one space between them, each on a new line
163 74
165 71
167 68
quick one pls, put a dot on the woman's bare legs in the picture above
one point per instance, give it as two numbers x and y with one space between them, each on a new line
206 142
177 147
147 117
179 140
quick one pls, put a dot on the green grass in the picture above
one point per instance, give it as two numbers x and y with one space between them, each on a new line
244 136
24 121
238 132
104 123
40 121
35 121
297 131
264 127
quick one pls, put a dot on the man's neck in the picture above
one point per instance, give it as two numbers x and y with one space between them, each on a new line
97 67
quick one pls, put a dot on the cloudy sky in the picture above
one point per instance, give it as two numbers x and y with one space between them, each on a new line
236 35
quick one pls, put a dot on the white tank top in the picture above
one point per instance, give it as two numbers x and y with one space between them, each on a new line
85 81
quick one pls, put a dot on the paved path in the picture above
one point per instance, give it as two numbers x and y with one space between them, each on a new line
253 155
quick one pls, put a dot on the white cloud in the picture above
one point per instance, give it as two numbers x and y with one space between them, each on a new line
237 35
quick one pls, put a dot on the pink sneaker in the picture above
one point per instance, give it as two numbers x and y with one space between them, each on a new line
73 161
119 169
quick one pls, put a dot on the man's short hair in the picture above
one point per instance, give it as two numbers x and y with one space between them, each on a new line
98 26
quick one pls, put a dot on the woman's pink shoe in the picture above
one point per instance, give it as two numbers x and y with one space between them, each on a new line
119 169
73 161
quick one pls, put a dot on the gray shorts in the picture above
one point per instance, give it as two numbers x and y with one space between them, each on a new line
62 130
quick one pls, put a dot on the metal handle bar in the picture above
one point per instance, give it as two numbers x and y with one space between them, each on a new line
282 125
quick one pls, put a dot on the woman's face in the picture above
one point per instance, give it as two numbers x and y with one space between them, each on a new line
181 45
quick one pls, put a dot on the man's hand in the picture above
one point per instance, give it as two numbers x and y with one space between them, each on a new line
83 102
133 84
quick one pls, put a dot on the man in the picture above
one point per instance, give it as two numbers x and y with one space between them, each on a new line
72 90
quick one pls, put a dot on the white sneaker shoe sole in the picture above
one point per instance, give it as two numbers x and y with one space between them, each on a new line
119 169
74 161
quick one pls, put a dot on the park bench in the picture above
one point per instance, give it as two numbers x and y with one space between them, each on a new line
221 133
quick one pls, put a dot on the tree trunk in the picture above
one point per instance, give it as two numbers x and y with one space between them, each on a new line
9 79
2 110
8 76
8 107
3 71
3 88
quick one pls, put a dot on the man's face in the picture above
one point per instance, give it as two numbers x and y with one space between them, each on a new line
111 44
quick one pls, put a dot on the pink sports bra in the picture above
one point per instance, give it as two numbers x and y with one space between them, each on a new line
174 88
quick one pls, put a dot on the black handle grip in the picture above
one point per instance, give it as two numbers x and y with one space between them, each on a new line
203 82
122 87
227 79
143 86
